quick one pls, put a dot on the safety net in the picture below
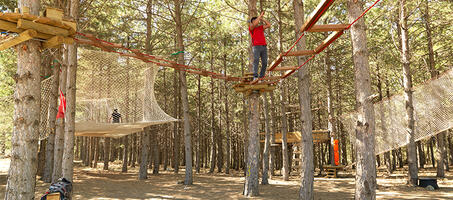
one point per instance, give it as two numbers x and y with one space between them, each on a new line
433 105
115 96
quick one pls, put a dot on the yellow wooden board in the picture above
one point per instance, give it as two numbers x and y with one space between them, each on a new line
24 36
296 137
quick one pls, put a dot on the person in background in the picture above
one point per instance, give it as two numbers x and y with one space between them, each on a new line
116 116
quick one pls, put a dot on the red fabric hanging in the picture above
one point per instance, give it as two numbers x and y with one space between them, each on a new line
336 152
62 107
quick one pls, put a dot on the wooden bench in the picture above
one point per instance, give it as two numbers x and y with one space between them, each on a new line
331 171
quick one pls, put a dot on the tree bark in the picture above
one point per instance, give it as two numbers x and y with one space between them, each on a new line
252 179
24 140
125 153
407 81
106 153
303 75
365 126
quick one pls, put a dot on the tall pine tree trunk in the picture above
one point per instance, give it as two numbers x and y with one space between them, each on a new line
303 75
185 102
106 153
284 102
252 166
407 81
24 140
365 126
267 141
143 171
273 155
68 153
213 141
227 114
198 138
59 127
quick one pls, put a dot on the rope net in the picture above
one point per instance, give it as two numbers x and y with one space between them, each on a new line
107 82
46 91
433 112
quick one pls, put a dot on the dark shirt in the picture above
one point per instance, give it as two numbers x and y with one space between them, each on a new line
116 117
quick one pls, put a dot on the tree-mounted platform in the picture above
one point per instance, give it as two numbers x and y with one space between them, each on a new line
49 27
247 88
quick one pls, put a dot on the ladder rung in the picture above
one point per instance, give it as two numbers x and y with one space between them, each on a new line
328 27
301 53
284 68
272 78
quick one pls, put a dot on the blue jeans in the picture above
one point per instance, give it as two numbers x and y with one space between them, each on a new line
259 51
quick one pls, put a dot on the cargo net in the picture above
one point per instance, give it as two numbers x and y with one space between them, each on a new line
433 104
107 82
46 92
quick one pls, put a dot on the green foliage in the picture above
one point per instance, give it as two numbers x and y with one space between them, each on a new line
7 84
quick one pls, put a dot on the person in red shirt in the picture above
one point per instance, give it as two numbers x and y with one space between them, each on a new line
259 44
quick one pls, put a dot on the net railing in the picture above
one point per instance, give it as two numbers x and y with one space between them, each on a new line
107 81
433 105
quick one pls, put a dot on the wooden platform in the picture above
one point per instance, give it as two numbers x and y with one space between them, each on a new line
295 138
49 26
247 86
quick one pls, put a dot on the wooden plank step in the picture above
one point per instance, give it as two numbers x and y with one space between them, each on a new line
24 36
285 68
328 27
12 27
316 14
267 78
332 37
276 62
301 53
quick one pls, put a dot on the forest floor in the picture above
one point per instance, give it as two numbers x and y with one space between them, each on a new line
112 184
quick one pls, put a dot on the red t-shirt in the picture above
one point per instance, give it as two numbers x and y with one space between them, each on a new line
258 36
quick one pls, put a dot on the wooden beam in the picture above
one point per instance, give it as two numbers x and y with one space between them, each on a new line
68 40
316 14
328 27
24 36
332 37
43 28
285 68
53 42
11 17
12 27
301 53
54 13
